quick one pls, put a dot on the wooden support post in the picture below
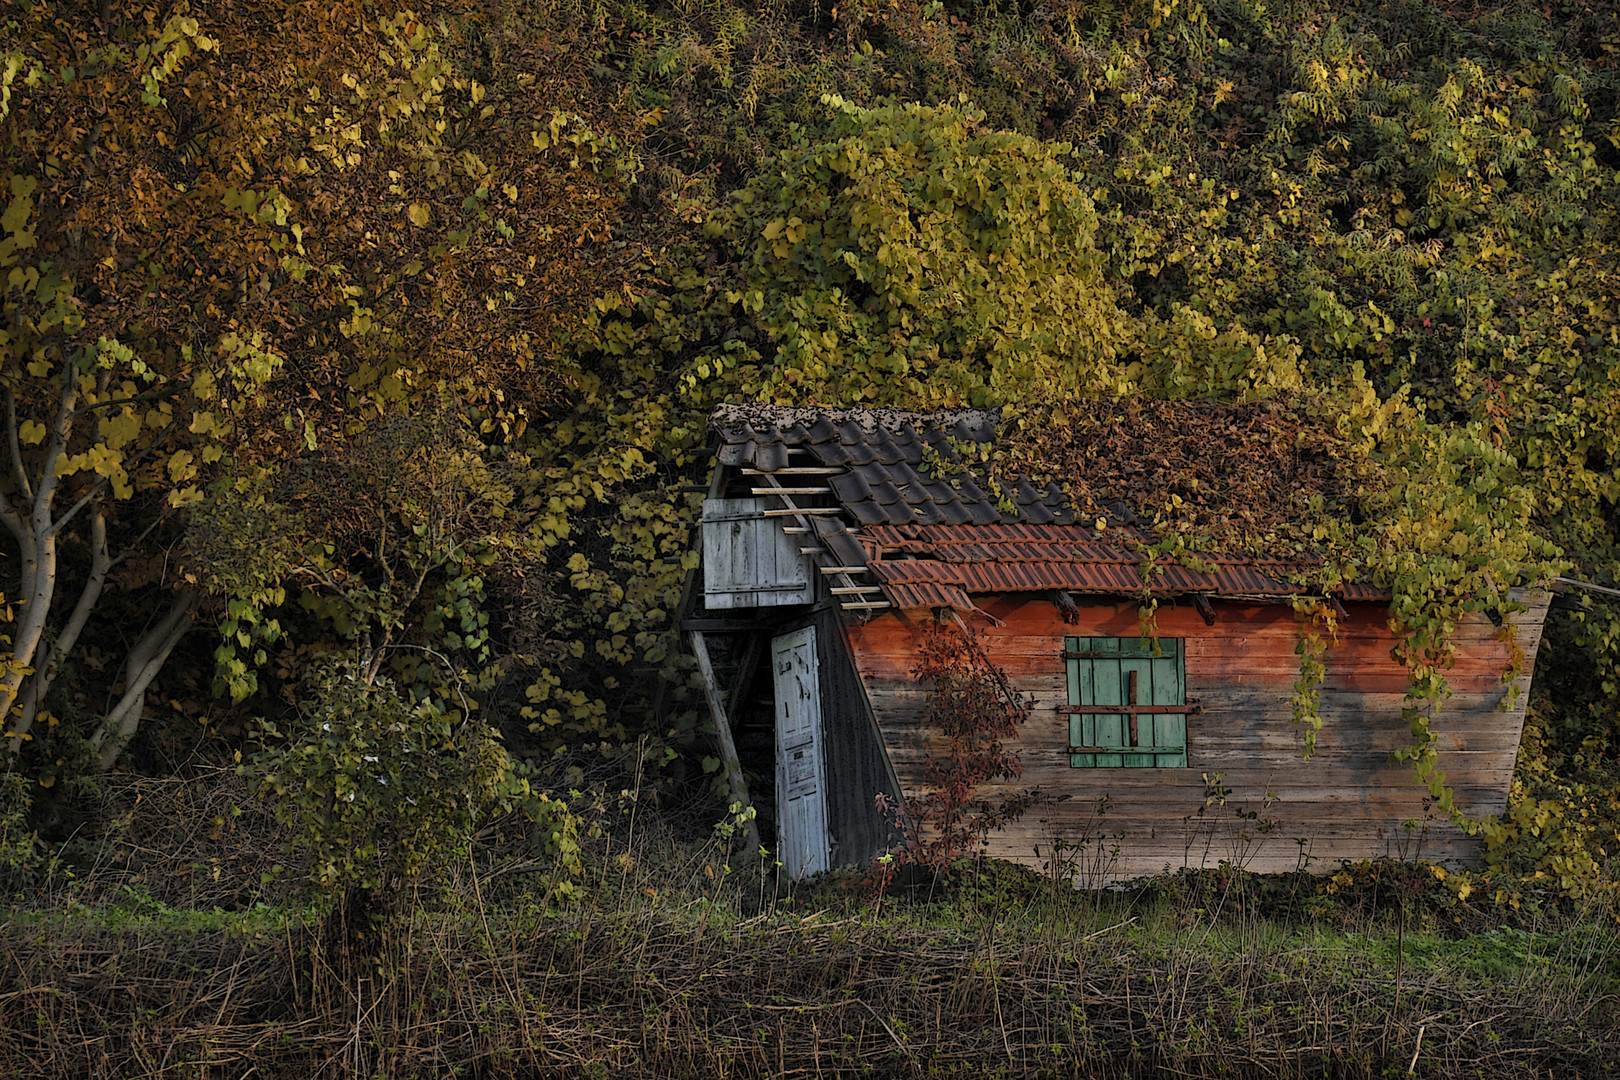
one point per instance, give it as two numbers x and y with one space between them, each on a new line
722 733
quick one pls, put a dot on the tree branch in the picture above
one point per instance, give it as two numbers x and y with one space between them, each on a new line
162 516
73 511
23 485
150 395
48 478
39 684
14 522
146 659
102 482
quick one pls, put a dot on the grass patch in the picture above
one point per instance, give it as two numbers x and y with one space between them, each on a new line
674 966
682 959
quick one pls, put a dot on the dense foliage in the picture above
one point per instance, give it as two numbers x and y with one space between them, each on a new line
382 795
393 333
236 262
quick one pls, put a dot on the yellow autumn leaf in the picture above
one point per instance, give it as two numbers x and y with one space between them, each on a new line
104 461
181 466
31 432
121 430
418 213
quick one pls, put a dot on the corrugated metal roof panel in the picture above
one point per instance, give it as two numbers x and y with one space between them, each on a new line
1028 561
1362 591
1038 577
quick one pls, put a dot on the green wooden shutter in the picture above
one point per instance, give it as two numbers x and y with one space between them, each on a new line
1100 672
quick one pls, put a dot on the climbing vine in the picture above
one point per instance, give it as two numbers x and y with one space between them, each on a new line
1384 230
1348 486
1317 625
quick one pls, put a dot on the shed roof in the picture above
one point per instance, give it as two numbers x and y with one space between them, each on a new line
930 530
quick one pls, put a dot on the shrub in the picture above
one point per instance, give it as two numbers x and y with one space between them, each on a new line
382 795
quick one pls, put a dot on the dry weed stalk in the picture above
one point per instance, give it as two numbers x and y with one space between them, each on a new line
632 992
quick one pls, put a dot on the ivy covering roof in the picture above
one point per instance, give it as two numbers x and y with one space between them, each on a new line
935 511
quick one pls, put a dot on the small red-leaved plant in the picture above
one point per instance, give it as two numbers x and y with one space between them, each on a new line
973 705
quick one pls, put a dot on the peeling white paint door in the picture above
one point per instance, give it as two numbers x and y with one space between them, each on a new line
801 807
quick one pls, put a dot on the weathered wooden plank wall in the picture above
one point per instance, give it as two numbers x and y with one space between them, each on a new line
1351 801
856 772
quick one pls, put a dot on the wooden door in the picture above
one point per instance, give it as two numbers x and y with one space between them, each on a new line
801 807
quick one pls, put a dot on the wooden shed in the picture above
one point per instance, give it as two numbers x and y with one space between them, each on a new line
828 551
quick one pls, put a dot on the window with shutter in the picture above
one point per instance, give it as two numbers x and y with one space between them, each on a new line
1128 705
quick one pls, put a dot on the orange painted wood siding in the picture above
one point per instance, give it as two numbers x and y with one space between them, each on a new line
1351 801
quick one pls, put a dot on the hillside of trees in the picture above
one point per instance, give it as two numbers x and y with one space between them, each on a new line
356 362
359 358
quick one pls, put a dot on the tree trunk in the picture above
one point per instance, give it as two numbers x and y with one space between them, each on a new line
39 683
146 659
36 532
39 585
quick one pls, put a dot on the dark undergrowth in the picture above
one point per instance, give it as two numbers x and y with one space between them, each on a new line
674 964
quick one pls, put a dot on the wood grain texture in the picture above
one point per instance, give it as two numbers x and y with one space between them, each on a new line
748 561
1245 755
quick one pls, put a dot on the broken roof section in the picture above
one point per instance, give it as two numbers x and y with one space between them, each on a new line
879 452
931 533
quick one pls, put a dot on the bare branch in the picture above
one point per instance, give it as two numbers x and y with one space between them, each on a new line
23 485
134 544
14 522
138 399
84 500
319 575
146 659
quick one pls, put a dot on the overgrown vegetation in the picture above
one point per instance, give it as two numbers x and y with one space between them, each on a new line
680 957
971 703
382 341
382 796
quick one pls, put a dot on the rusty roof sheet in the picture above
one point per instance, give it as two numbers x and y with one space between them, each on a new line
930 540
1034 558
927 594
